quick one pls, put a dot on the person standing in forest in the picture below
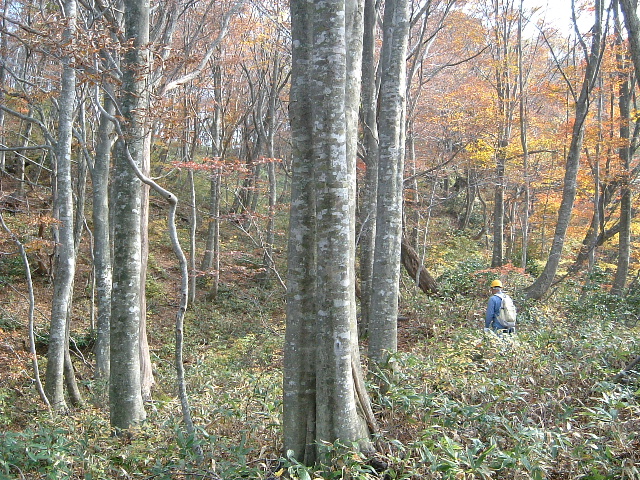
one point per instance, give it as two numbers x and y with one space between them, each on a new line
495 321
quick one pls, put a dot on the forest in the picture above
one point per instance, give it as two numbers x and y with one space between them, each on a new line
256 239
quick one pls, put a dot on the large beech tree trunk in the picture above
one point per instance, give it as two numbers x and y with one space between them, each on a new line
125 395
322 374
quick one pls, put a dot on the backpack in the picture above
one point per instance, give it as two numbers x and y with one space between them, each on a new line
507 314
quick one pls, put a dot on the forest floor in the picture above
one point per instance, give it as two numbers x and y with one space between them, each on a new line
541 404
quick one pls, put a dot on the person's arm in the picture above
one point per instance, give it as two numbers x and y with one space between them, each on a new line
489 316
492 310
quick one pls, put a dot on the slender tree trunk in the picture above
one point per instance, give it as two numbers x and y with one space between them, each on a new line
102 225
189 156
3 77
369 122
597 219
624 152
32 308
525 146
543 282
498 208
80 189
21 173
271 165
193 228
211 258
391 122
102 239
64 254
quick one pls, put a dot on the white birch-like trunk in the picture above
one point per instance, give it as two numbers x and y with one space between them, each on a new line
146 372
102 241
65 250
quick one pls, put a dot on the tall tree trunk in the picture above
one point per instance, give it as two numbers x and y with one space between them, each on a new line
193 228
498 208
369 122
189 156
125 389
597 221
299 374
146 372
320 388
543 282
624 152
270 121
64 253
211 258
391 122
101 238
3 78
506 87
524 144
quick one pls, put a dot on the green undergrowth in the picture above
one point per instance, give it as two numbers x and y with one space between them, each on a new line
541 404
